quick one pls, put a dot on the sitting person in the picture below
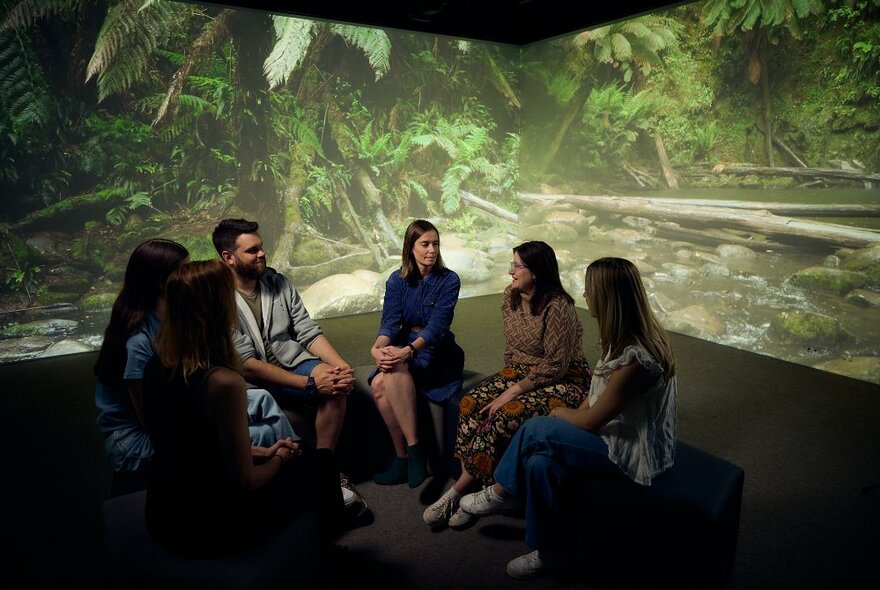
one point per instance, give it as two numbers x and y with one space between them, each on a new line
415 349
212 491
281 347
126 349
544 368
625 429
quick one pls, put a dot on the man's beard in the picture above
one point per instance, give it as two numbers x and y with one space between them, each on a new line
253 271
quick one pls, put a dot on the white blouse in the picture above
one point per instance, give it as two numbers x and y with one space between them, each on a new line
641 439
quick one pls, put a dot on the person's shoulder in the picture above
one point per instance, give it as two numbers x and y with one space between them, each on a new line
222 380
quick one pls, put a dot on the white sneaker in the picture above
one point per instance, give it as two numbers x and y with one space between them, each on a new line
526 567
349 497
460 519
486 502
441 511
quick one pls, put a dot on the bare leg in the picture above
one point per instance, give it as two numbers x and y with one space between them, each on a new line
465 482
400 391
387 413
328 422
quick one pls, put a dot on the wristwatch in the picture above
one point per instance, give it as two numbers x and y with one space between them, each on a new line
311 386
412 348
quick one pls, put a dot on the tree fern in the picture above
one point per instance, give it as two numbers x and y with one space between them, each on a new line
293 38
27 12
25 97
130 34
373 42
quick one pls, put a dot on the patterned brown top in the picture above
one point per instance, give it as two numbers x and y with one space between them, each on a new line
548 342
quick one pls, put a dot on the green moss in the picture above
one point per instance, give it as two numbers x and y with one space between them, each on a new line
200 247
98 301
810 328
828 280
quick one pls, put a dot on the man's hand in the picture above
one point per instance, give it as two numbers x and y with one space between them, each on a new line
333 382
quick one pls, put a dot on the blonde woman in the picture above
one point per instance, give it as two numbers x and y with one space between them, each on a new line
626 428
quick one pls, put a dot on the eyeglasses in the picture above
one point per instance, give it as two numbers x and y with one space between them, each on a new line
515 266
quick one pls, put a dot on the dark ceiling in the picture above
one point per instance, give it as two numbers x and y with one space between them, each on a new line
515 22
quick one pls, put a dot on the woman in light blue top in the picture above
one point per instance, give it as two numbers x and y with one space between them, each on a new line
127 347
415 349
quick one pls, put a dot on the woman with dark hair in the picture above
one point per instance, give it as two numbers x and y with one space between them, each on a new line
624 429
134 322
212 491
128 346
544 368
415 350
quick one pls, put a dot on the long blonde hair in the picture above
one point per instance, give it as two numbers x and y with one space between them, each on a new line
196 332
617 296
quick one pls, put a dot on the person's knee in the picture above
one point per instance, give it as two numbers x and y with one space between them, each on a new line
539 428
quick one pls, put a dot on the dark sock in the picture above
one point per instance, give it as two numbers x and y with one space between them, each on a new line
417 469
393 475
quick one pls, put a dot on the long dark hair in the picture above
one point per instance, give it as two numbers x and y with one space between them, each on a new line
415 230
148 268
199 318
540 258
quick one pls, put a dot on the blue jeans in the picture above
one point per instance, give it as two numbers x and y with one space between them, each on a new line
267 423
541 455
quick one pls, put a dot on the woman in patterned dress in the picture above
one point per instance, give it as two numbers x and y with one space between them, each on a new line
544 368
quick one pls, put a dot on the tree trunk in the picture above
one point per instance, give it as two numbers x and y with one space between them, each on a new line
765 98
758 221
834 173
668 173
573 110
487 206
252 33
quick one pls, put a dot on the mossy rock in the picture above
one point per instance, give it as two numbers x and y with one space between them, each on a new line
311 252
809 328
551 233
307 275
48 296
98 301
828 280
866 368
867 262
40 328
199 247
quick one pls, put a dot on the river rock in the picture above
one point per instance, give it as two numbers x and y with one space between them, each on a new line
16 349
450 240
867 262
637 222
98 301
680 271
660 303
715 269
628 236
864 298
734 251
470 264
307 275
866 368
372 277
551 233
827 280
813 329
63 347
695 320
341 294
569 218
499 246
49 327
831 261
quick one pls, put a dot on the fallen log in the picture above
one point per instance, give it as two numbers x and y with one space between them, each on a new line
487 206
854 175
668 173
791 209
761 222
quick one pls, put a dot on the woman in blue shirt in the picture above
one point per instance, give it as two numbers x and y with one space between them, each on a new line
415 349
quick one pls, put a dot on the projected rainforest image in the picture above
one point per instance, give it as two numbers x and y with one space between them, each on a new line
729 148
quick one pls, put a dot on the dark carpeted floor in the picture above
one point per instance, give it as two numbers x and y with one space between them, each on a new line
809 443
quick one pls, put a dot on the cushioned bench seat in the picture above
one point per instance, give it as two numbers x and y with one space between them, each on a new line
134 561
680 532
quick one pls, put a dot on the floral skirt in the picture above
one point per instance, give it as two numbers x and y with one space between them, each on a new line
481 440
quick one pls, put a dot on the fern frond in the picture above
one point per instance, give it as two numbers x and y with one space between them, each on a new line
127 40
27 12
25 98
293 38
373 42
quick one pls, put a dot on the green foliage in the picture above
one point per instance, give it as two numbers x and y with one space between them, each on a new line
858 41
293 38
728 16
129 36
613 120
374 43
117 215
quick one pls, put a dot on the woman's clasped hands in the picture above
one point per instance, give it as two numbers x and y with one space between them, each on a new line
387 357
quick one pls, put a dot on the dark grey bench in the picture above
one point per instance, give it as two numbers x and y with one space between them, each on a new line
134 561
